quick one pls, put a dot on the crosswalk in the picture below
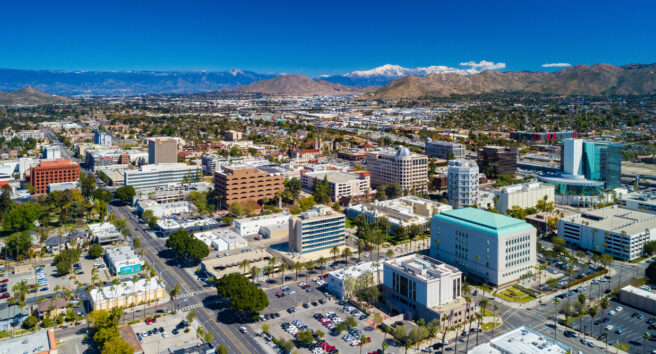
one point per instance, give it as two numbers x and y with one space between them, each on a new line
197 292
190 307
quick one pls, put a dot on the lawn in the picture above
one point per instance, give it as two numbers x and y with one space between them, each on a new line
622 346
489 325
515 295
488 313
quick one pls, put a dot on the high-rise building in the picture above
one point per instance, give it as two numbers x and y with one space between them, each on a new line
51 152
463 183
162 150
102 138
47 172
491 247
497 160
408 169
597 160
444 149
320 228
240 183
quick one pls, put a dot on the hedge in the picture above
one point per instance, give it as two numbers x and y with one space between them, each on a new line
528 291
585 278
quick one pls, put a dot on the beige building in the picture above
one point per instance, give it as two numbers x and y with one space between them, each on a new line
524 195
232 135
218 267
408 169
342 184
317 229
162 150
127 293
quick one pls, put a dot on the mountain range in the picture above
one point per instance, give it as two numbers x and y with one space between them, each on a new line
299 85
29 96
593 80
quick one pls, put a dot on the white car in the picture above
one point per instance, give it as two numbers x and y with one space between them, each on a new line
611 312
291 292
243 329
608 327
618 309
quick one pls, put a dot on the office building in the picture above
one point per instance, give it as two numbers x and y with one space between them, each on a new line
40 342
51 152
342 184
163 210
524 195
212 163
423 287
102 138
127 293
95 159
222 239
162 150
550 136
104 233
522 340
587 167
444 149
169 226
149 176
319 228
408 169
463 183
491 247
232 135
614 230
254 225
403 211
645 201
240 183
57 171
639 298
335 279
122 260
497 160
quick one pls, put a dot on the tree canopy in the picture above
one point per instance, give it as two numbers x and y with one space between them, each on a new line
187 245
65 259
321 190
95 250
244 297
125 194
650 272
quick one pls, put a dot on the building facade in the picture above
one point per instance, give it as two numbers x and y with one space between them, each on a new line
491 247
445 150
149 176
614 230
497 160
523 195
463 183
102 138
408 169
252 226
62 170
240 183
404 211
319 228
127 293
162 150
342 184
122 260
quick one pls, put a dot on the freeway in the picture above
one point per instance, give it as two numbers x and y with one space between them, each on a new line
194 294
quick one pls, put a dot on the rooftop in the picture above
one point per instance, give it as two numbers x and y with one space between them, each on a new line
521 340
423 267
334 176
353 271
644 293
163 167
121 254
616 219
484 221
38 342
125 288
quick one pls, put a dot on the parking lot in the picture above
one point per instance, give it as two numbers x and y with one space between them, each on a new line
158 342
294 296
305 317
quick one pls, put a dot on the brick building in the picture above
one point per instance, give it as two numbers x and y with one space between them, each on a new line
240 183
62 170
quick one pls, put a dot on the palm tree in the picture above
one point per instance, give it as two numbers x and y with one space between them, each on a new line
361 245
334 251
376 266
346 253
390 253
244 265
309 265
455 347
174 292
268 270
645 336
468 300
494 319
283 267
483 303
321 261
605 304
255 271
446 326
556 301
297 267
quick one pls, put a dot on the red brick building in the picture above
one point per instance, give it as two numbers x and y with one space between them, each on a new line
57 171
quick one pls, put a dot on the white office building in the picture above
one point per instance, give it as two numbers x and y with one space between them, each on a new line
253 226
444 149
524 195
169 226
403 211
148 176
122 260
623 231
463 183
336 278
222 239
342 184
102 138
491 247
164 210
404 167
51 152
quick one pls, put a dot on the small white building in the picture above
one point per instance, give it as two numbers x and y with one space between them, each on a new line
335 280
524 195
169 226
404 211
104 233
162 210
521 340
222 239
253 226
122 260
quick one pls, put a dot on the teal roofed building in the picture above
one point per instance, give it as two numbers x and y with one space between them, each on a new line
491 247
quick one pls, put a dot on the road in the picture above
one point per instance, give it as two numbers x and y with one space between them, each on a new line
193 294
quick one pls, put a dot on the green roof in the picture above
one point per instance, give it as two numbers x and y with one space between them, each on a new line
485 221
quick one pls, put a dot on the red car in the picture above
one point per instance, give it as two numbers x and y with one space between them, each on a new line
280 294
4 296
4 280
150 320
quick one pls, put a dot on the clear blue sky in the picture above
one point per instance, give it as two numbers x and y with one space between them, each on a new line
321 37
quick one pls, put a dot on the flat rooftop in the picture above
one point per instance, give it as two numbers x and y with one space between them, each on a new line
353 271
644 293
334 176
423 267
484 221
121 254
125 288
616 219
521 340
38 342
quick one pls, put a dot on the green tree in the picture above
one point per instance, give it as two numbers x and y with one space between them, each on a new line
125 194
236 209
101 194
186 245
650 272
18 245
65 259
221 349
87 184
199 199
649 248
95 250
245 297
381 192
117 345
294 187
394 191
305 337
22 217
30 322
321 190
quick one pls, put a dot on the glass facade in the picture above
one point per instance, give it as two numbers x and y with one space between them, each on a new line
602 162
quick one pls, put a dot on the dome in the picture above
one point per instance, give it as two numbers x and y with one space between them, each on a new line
403 151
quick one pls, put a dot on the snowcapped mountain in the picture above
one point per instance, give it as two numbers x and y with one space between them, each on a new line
384 74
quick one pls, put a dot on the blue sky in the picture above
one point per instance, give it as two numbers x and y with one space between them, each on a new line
321 37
